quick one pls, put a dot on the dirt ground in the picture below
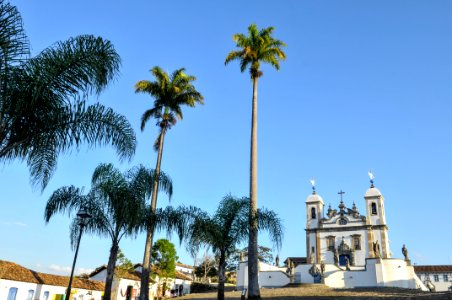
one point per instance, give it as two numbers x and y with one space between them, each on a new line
322 292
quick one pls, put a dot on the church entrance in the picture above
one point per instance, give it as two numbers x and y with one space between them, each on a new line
343 259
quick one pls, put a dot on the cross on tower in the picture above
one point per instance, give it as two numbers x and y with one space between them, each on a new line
341 193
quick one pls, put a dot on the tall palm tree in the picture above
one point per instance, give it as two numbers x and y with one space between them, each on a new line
259 46
170 93
227 228
43 109
117 203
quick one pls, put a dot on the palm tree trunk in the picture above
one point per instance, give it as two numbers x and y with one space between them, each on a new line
111 269
253 284
146 268
221 276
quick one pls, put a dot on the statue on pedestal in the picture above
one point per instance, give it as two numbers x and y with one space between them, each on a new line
277 261
336 257
376 248
405 252
347 264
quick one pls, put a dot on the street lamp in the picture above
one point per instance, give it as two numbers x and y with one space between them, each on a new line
82 216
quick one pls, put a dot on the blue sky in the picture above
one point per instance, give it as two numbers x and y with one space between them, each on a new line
366 85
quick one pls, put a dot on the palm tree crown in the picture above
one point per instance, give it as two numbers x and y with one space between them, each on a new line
43 110
257 47
170 93
117 204
227 228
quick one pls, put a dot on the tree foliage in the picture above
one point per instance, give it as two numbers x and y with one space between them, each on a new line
122 262
227 228
43 99
164 257
116 203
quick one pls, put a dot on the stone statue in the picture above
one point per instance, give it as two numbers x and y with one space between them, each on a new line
277 261
322 267
242 256
292 267
288 266
336 257
376 248
405 252
347 264
312 257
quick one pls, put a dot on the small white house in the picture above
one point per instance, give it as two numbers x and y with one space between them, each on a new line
19 283
438 278
127 283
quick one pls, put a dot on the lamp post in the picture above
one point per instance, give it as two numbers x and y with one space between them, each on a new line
82 216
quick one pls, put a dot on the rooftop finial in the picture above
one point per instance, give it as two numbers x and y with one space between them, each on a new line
313 185
371 176
341 193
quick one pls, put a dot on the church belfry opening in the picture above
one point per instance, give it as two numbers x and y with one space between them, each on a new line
313 216
374 208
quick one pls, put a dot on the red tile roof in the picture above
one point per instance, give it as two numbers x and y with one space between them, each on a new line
433 269
13 271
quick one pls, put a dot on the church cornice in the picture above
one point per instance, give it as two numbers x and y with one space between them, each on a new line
347 228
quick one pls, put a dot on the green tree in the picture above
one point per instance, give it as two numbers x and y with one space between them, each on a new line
164 259
122 262
206 268
264 254
43 99
117 204
256 48
170 93
227 228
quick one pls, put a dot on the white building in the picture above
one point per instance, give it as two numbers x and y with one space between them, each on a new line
126 283
439 278
19 283
344 249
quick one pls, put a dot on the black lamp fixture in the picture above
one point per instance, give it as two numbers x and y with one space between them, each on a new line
83 216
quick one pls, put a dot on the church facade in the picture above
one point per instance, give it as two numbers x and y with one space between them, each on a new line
344 249
344 236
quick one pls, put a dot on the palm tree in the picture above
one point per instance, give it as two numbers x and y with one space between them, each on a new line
117 203
170 93
227 228
43 110
257 47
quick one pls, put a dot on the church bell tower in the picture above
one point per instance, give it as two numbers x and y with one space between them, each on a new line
378 241
314 210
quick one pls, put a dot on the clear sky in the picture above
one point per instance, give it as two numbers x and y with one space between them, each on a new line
366 85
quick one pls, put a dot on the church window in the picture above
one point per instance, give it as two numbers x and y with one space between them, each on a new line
331 243
357 242
436 278
30 294
313 213
445 278
342 222
374 208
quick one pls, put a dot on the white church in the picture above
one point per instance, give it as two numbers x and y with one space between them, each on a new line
345 249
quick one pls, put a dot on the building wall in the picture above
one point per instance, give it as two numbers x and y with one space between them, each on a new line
270 279
40 289
441 285
22 288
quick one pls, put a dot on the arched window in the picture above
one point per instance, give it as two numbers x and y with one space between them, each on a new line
313 213
30 294
374 208
46 295
12 293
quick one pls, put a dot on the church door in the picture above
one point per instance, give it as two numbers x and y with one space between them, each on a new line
343 259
